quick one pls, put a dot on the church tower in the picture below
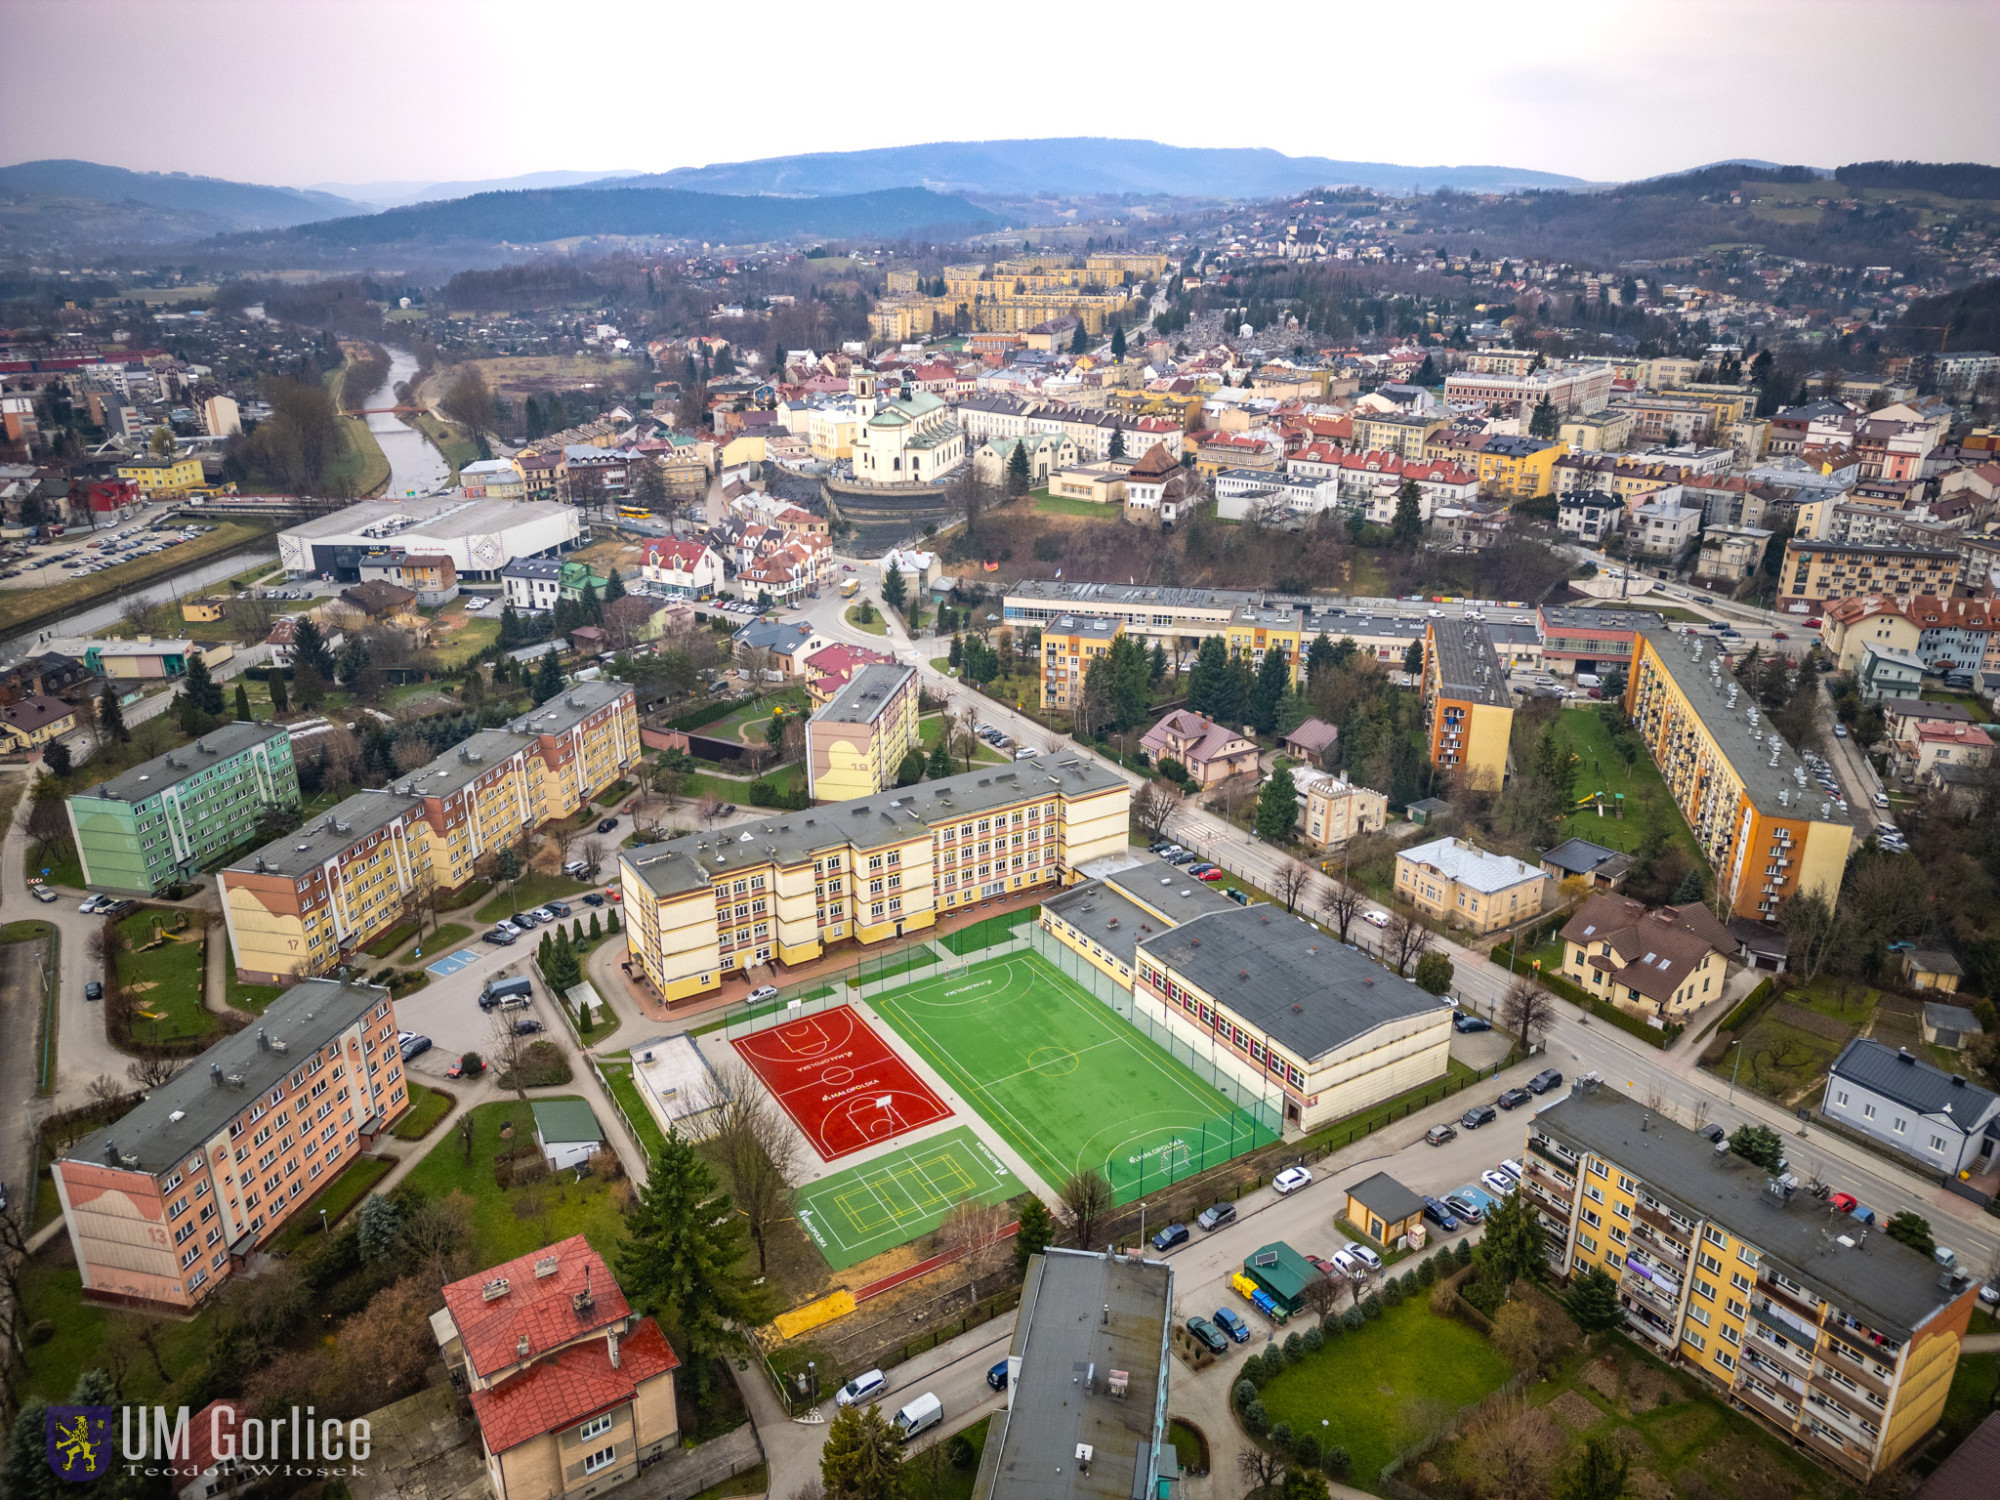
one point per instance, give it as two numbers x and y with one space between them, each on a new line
862 383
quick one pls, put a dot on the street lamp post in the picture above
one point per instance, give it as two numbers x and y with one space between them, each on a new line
322 1221
1736 1068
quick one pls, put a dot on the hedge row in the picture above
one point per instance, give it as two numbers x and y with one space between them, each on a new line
1605 1011
695 718
1738 1018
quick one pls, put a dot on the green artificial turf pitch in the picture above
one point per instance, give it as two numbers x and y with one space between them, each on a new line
1066 1081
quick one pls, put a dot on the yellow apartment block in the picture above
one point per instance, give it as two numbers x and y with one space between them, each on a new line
1068 646
306 902
855 744
1468 707
1764 826
1842 1340
783 891
1461 884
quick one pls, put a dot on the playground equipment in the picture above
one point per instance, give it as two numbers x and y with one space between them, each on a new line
1617 804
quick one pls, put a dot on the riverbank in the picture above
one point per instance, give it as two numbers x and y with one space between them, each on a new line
362 470
26 609
416 467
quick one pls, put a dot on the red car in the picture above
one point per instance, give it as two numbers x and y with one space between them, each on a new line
1779 635
1210 875
1844 1202
1813 623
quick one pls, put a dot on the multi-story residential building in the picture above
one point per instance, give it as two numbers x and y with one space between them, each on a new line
303 903
532 582
31 722
1730 554
1665 530
1337 810
1468 708
1461 883
1932 748
1913 1106
221 417
1069 643
1842 1339
572 1390
682 568
162 478
856 743
431 576
1401 433
171 816
494 479
1590 516
1569 388
1209 752
166 1204
1668 418
1604 431
1815 572
1664 964
1744 792
1518 468
782 891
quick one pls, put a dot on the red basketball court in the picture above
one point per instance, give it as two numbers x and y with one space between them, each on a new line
840 1083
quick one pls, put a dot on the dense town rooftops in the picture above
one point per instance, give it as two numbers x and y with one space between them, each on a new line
1883 1283
693 861
1308 992
182 1115
152 777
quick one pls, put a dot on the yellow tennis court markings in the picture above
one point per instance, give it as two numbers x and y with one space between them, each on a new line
870 1212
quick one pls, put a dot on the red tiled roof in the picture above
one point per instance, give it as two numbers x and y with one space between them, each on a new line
570 1386
201 1452
538 1307
841 662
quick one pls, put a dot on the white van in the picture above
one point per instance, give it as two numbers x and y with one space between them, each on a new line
1589 680
919 1416
862 1389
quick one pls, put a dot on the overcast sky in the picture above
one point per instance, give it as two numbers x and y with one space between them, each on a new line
307 91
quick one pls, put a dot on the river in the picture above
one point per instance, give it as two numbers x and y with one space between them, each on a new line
415 465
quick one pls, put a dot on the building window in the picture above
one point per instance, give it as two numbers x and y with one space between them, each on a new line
601 1459
595 1427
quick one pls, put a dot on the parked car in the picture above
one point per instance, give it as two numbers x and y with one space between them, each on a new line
415 1046
526 921
89 905
1210 1336
762 993
557 908
1990 1293
1478 1115
1349 1264
1460 1021
1291 1179
527 1026
1210 875
117 908
591 898
1513 1098
1366 1256
456 1070
1714 1134
1233 1325
1437 1135
863 1387
92 990
1438 1214
1840 731
997 1376
1468 1211
1172 1235
1842 1202
41 892
544 914
1512 1168
1543 1081
500 937
1375 918
1215 1216
1498 1183
605 825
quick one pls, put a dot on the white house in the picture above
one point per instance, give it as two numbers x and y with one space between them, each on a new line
1894 1096
532 582
683 568
567 1132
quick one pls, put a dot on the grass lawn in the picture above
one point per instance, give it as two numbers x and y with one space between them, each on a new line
1372 1388
82 1329
725 727
427 1107
335 1200
457 647
1057 505
64 864
618 1078
1599 768
512 1221
21 608
930 727
529 891
391 940
1970 1397
165 982
1673 1431
362 461
1782 1061
1981 714
251 997
874 626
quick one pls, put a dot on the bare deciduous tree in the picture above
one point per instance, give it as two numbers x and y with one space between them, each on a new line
972 1232
1403 940
709 810
1290 883
758 1150
1086 1198
509 1050
1340 908
592 852
1322 1295
1528 1011
1153 807
1262 1469
152 1072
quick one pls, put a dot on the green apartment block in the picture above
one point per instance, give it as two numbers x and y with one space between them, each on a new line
177 813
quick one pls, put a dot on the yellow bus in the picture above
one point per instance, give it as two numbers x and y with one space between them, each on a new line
634 513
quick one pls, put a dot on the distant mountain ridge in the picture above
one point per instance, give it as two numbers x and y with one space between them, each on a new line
536 216
365 195
243 205
1080 166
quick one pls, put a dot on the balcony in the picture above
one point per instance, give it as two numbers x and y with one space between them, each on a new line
1837 1356
1658 1297
1781 1320
1553 1179
1860 1338
1549 1151
1766 1404
1671 1255
1852 1397
1790 1301
1793 1357
1648 1322
1851 1456
1769 1369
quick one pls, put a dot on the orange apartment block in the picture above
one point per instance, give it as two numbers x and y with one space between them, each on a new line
305 902
166 1204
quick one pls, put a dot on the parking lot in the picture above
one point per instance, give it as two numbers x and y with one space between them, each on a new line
79 554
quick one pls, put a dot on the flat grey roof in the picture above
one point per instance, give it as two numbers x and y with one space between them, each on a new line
150 778
443 516
1468 666
1887 1285
1583 617
1748 742
867 693
1261 964
1104 911
305 1018
693 860
1062 1332
322 839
